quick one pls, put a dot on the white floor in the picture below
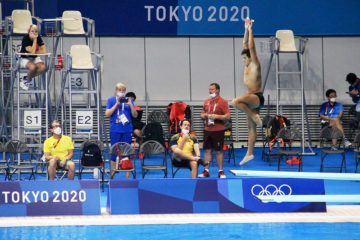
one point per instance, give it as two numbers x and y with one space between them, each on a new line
335 213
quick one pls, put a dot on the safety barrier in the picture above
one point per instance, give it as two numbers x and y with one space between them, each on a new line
44 198
159 196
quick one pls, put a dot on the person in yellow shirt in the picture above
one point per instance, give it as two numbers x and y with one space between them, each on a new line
59 151
184 145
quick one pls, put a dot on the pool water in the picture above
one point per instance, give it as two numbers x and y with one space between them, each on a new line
259 231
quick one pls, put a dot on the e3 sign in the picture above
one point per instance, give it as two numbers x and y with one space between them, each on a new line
84 120
32 119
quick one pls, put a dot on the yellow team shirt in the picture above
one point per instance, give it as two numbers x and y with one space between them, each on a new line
188 146
62 149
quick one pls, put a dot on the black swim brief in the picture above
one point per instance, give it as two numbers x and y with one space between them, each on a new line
261 99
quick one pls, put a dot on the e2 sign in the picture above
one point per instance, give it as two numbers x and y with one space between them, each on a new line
84 120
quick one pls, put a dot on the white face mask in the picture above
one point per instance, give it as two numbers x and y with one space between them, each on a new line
332 99
57 130
212 95
185 131
120 94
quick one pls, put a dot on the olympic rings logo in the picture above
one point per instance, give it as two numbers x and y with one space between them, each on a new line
271 189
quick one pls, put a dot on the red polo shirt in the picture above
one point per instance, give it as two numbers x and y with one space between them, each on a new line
217 106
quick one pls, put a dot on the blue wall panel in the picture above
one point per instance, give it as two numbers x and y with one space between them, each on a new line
208 17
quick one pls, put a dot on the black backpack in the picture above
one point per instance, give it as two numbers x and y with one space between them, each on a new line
154 131
91 155
275 125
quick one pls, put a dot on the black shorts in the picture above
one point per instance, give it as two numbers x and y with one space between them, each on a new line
261 100
138 125
181 164
214 140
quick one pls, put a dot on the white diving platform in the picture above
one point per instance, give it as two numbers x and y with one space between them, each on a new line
309 198
306 175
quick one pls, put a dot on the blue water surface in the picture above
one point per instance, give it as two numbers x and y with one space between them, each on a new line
260 231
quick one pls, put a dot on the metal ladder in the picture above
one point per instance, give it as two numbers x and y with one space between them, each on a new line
7 94
32 110
38 92
275 51
68 110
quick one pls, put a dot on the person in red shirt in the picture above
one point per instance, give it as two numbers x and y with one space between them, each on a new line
214 112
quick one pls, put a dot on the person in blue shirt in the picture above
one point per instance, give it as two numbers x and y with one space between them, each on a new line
120 110
354 87
331 113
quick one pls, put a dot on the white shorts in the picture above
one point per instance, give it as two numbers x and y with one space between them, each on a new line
25 61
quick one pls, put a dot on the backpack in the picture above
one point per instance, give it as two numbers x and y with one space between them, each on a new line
273 127
91 155
154 131
177 111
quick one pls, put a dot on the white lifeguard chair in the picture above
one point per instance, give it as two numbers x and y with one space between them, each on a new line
72 25
284 42
80 60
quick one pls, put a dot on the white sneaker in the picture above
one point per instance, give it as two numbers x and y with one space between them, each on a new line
347 143
24 85
204 174
222 174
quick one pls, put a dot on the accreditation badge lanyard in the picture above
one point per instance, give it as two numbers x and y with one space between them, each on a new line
118 111
53 149
213 109
331 110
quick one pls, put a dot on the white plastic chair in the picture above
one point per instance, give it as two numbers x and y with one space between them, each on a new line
21 21
73 27
81 57
287 40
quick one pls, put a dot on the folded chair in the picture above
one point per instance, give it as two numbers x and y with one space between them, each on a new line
123 150
357 151
18 164
327 135
174 169
156 153
286 138
4 168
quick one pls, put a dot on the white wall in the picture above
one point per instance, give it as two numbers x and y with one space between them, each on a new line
181 68
341 56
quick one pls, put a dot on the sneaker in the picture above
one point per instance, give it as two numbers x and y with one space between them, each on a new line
347 143
24 85
334 148
294 161
204 174
222 174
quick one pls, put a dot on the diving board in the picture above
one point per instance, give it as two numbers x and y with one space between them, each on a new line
309 198
305 175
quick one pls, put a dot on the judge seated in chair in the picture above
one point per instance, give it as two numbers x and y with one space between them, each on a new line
185 147
59 151
331 113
